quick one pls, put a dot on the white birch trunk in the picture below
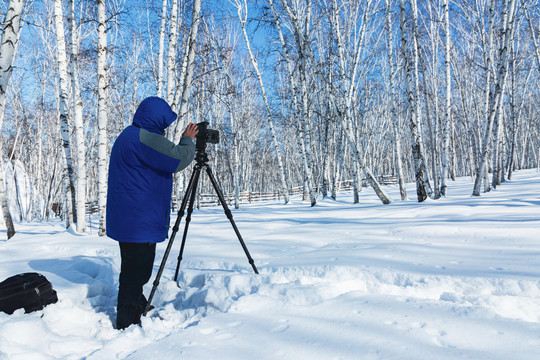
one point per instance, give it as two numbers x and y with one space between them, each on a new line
432 129
433 124
279 156
498 166
161 46
8 47
303 131
39 198
535 41
178 95
508 19
102 115
182 93
351 88
64 107
325 166
236 165
435 133
78 124
338 163
453 149
171 55
513 116
290 69
516 122
448 109
412 100
488 95
419 137
393 113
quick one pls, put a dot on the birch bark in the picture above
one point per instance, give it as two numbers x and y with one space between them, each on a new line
102 115
182 93
535 41
508 19
488 94
432 129
80 192
64 109
173 35
516 119
393 113
418 133
236 162
448 109
8 47
413 114
161 46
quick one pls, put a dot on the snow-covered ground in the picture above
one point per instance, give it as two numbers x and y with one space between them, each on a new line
456 278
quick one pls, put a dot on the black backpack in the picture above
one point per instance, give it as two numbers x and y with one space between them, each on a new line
31 291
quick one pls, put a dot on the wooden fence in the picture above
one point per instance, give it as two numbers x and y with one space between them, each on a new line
248 197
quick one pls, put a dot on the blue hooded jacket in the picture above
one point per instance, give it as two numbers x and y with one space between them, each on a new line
140 175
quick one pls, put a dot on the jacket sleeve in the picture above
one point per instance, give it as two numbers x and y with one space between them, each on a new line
178 157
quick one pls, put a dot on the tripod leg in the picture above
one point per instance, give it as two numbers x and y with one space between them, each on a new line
171 240
230 217
188 219
185 199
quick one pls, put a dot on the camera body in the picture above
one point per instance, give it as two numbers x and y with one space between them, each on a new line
205 136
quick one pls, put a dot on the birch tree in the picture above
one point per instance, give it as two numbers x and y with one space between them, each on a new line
431 90
412 99
418 122
77 120
64 110
517 105
102 114
534 39
161 47
182 92
301 36
171 54
242 16
346 84
496 98
448 108
393 100
345 113
488 94
498 171
8 47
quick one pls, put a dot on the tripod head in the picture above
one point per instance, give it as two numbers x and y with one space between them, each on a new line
201 157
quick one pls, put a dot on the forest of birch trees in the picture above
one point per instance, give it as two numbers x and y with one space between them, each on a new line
304 94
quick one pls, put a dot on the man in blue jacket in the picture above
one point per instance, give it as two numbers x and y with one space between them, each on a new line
138 197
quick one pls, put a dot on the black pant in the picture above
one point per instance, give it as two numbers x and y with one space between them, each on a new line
137 263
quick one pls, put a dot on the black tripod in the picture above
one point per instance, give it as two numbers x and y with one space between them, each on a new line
191 192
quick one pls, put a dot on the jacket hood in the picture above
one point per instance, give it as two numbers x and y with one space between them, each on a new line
154 115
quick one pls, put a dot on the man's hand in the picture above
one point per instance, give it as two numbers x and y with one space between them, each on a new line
191 131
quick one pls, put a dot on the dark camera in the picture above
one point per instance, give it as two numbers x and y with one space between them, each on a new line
205 136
